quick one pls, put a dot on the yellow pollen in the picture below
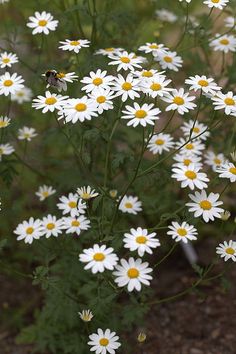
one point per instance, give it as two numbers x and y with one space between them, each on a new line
215 1
182 232
140 113
99 257
178 100
128 205
154 46
168 59
45 194
230 250
217 161
75 223
159 142
147 74
75 43
104 342
224 41
229 101
50 101
109 49
20 94
8 83
187 162
196 130
155 87
3 124
190 174
6 60
141 239
42 23
85 196
61 75
232 170
205 205
203 83
72 204
50 226
125 60
189 146
29 230
81 107
101 99
98 81
126 86
133 273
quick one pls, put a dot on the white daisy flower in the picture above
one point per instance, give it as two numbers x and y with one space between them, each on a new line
154 48
141 241
108 51
141 115
98 258
230 22
74 45
205 205
170 60
50 102
86 193
195 128
165 15
160 143
130 205
42 23
193 147
7 59
126 87
98 79
6 149
188 1
227 250
45 192
227 170
218 4
81 109
52 226
104 342
68 77
182 232
23 95
4 122
72 205
214 160
225 43
29 230
186 159
179 101
156 86
10 84
26 133
147 74
125 60
103 99
189 176
86 315
207 85
225 101
132 273
3 1
75 224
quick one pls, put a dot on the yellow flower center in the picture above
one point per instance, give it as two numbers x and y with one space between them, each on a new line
129 205
109 49
45 194
3 124
72 204
205 205
140 113
101 99
50 226
75 223
141 239
230 250
98 81
217 161
182 232
125 60
196 130
1 151
215 1
189 146
190 174
104 342
168 59
133 273
159 142
99 257
178 100
8 83
29 230
6 60
81 107
154 46
203 83
224 41
126 86
85 196
233 170
75 43
229 101
155 87
42 23
61 75
187 162
147 74
50 101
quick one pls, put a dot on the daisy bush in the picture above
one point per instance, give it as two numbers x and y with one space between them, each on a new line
117 150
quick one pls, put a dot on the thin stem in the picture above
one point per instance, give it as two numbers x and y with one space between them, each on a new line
166 256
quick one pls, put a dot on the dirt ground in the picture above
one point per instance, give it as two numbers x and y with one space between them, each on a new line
197 323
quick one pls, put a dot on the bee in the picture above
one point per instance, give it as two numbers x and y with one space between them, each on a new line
55 79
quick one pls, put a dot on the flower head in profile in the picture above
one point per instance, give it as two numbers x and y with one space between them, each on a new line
225 43
99 258
130 205
207 85
227 170
74 44
44 192
42 23
26 133
86 315
10 83
87 193
6 149
4 122
214 160
104 342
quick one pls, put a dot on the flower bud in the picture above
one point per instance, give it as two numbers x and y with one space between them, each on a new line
142 337
225 215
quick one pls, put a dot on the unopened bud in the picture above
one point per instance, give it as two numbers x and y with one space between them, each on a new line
225 215
141 337
113 193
